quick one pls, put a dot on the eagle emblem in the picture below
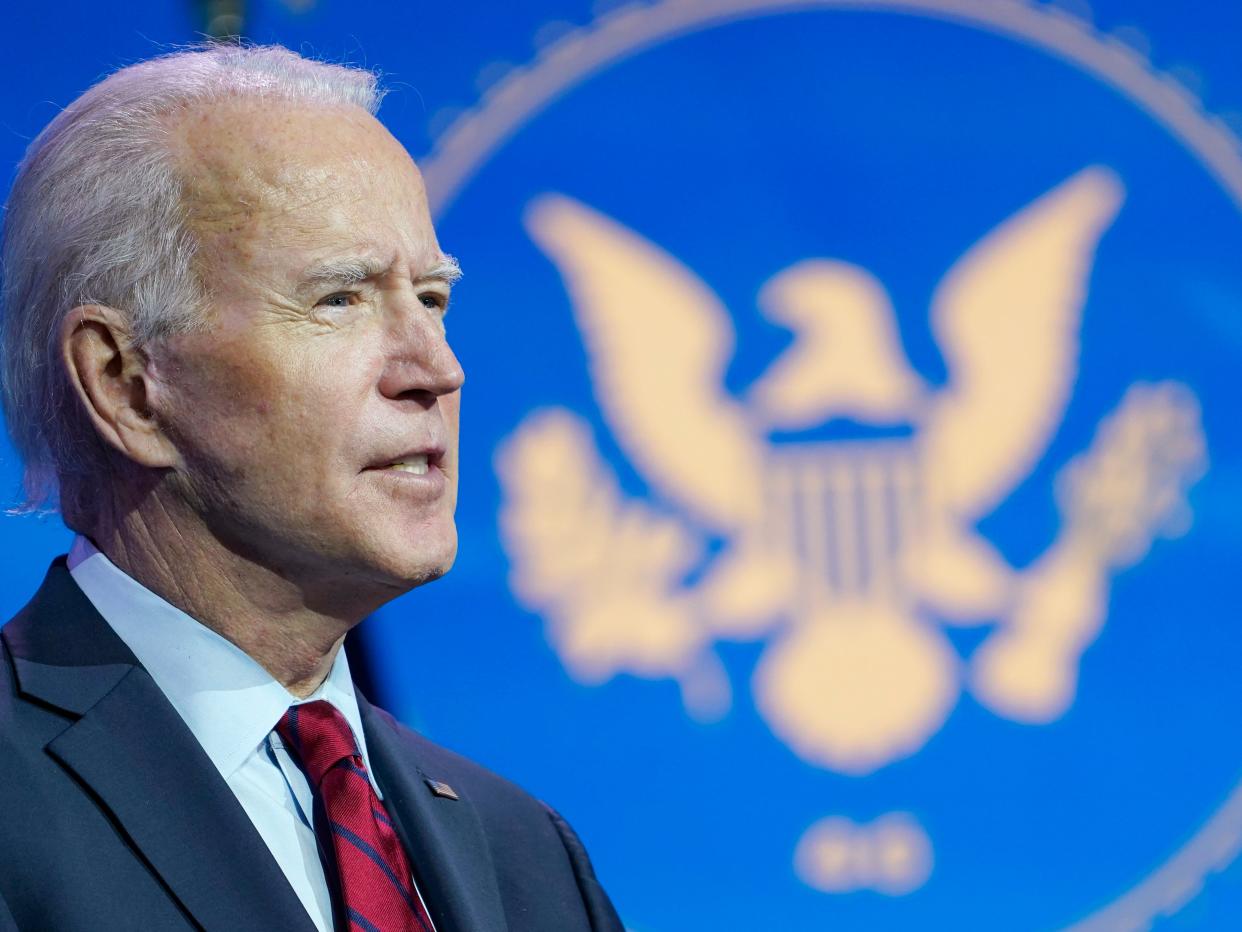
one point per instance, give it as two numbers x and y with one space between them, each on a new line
846 559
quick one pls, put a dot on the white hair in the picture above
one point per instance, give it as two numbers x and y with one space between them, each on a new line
96 216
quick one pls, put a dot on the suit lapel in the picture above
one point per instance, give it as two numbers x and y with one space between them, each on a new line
130 749
444 837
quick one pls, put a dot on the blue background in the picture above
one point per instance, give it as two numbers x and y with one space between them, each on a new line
704 145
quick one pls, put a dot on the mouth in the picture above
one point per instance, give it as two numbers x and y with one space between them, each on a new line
413 463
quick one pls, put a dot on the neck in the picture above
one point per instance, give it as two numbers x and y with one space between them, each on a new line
291 631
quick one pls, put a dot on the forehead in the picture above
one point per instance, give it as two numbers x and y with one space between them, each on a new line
300 177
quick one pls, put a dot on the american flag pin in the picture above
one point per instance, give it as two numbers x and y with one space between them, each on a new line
442 789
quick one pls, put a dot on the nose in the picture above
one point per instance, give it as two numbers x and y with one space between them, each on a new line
420 362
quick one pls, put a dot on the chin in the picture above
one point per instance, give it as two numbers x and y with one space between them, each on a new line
429 561
431 572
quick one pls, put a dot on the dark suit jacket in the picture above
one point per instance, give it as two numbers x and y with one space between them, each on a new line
112 816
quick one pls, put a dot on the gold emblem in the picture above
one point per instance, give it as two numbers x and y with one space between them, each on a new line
846 557
619 580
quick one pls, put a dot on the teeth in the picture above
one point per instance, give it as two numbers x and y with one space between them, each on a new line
415 464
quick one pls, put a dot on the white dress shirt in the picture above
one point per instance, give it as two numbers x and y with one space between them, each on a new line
231 704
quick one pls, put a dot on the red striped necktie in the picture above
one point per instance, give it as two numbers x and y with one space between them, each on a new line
375 878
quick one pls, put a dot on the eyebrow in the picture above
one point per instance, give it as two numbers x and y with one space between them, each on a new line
352 270
447 270
349 271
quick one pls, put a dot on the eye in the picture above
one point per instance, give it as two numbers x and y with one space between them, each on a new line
434 301
338 299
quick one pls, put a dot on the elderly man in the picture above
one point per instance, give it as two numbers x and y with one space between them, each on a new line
225 357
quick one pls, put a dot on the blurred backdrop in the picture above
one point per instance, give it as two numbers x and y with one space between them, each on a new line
852 474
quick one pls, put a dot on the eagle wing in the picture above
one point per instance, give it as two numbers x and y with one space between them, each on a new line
657 342
1007 317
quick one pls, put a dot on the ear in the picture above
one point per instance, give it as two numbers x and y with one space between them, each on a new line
110 376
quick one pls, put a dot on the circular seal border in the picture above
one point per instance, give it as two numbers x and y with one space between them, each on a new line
525 91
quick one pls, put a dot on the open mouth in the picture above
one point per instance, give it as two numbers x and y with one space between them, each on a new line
416 464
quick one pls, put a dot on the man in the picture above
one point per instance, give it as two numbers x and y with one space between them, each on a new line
225 354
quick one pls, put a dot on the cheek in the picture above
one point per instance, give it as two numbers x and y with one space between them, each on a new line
269 414
218 406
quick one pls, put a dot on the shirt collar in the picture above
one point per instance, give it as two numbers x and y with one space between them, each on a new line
229 701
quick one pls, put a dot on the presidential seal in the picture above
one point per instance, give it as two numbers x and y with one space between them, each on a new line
862 377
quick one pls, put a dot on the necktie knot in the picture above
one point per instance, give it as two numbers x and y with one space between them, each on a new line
318 735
